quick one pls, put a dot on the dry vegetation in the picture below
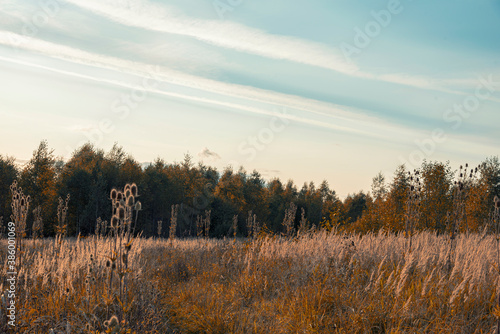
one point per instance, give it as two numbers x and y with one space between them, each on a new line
306 280
318 283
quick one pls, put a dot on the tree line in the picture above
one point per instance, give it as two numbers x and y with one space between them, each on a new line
434 197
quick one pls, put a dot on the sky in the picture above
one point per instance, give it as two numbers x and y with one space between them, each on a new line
304 90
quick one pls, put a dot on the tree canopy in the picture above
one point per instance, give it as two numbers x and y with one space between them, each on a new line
90 174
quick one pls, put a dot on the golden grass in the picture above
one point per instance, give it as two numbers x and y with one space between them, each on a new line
320 283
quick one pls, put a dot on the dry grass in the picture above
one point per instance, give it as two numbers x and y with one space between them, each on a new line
320 283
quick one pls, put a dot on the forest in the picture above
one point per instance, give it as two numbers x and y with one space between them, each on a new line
440 197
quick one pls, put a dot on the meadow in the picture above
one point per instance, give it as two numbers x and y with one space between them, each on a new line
322 282
419 256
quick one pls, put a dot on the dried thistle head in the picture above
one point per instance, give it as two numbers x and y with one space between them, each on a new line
119 196
133 189
121 213
113 194
138 206
111 323
130 201
114 221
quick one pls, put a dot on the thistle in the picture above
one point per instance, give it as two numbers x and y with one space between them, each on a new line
412 206
37 223
173 221
159 228
62 212
234 227
289 220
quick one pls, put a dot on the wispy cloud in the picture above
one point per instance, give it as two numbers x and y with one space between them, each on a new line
269 173
230 35
208 154
334 117
161 18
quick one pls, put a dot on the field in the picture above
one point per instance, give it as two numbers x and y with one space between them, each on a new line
317 283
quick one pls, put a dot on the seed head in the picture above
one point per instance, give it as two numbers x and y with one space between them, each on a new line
119 196
108 264
113 194
138 206
121 213
133 189
130 200
112 322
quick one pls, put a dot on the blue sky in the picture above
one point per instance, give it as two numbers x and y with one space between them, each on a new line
302 90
